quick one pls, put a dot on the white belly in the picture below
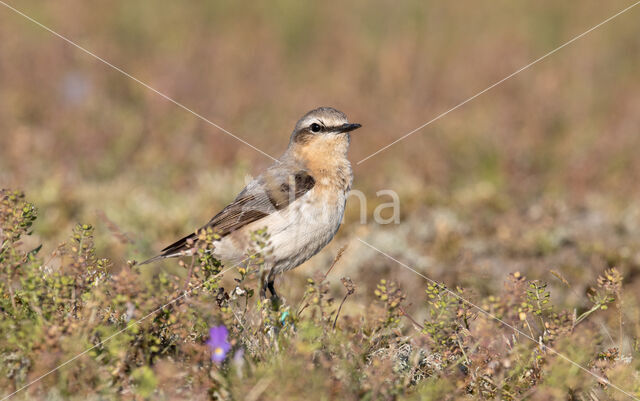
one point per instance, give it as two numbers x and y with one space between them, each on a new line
296 233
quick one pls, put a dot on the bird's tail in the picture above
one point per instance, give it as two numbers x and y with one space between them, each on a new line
178 248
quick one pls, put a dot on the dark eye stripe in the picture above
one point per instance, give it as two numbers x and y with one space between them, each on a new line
317 128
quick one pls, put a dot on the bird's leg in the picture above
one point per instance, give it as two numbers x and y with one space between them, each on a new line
275 299
267 280
272 289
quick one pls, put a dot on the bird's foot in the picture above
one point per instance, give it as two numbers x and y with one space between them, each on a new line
275 299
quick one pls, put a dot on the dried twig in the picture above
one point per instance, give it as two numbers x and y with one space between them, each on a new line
408 316
335 260
351 288
113 228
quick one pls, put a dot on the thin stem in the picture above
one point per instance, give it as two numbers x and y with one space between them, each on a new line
619 296
5 242
408 316
339 309
189 272
10 288
586 314
335 260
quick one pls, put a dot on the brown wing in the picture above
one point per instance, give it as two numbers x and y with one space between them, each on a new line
269 193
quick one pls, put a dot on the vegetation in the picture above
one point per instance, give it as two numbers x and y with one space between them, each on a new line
524 201
137 338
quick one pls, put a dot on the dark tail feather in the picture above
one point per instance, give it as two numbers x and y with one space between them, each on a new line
172 250
178 246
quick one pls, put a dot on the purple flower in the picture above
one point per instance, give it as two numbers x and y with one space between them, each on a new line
218 343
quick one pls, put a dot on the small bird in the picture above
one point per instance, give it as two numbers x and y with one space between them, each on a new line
299 200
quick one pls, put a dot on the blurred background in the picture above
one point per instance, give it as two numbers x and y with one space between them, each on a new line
539 174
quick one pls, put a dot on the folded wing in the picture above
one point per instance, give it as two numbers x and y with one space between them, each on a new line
265 195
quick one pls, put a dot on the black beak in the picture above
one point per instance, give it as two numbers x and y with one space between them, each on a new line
348 127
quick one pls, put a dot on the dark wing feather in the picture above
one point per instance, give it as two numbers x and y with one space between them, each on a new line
229 219
268 193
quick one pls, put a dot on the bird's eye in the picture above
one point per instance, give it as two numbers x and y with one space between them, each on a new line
315 127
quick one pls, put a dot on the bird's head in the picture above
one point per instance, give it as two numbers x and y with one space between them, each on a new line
323 129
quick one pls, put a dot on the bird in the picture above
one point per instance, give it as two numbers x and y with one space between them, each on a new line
299 201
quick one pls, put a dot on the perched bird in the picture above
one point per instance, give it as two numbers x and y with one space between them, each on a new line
299 200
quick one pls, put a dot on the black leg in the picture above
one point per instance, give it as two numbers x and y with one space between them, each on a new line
275 299
272 289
